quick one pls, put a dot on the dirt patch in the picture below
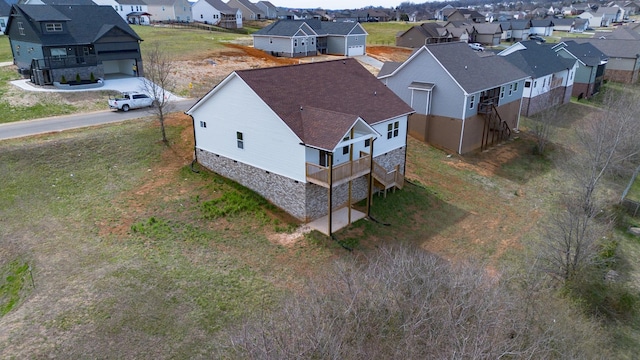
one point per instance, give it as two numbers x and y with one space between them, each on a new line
389 53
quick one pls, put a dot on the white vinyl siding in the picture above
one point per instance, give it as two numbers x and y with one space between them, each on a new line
268 143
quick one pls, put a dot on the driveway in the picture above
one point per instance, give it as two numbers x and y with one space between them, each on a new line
120 84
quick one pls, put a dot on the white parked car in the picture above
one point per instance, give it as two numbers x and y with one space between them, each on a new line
476 46
130 100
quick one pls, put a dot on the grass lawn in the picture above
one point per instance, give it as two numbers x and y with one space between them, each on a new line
5 49
384 33
634 192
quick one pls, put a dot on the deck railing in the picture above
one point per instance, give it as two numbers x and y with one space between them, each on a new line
388 179
341 174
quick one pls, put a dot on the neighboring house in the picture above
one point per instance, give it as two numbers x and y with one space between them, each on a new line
441 14
541 27
551 75
49 42
610 14
506 30
565 25
458 34
590 69
520 29
624 63
464 100
298 38
465 15
426 33
303 136
170 10
5 10
487 33
270 11
132 11
249 10
580 25
217 13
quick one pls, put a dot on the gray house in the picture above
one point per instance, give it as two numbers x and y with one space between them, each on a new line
249 10
623 64
49 42
5 9
298 38
591 66
426 33
552 76
464 100
270 11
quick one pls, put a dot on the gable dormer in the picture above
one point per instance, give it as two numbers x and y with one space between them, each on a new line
53 27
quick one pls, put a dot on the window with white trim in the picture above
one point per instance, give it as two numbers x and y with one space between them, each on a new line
515 86
20 28
240 139
53 27
203 124
501 92
472 102
392 129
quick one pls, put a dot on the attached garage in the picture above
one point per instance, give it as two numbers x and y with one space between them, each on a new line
119 66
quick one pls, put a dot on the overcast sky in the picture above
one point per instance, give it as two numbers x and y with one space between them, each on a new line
333 4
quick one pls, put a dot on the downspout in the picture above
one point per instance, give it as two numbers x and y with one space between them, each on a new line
350 181
464 116
330 190
195 152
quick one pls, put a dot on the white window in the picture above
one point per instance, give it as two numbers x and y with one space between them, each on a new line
392 129
472 102
527 84
510 89
501 92
58 53
515 86
53 27
203 124
295 42
20 28
240 140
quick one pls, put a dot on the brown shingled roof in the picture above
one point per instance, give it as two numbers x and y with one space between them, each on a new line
334 93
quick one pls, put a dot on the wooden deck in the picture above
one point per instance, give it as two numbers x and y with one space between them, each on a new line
341 174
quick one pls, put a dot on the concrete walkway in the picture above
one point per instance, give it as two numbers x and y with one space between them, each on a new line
120 84
370 61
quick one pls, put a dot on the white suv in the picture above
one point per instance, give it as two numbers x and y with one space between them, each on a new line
476 46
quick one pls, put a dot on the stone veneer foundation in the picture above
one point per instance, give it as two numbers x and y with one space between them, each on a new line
305 201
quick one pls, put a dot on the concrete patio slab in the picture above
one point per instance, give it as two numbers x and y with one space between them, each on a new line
339 220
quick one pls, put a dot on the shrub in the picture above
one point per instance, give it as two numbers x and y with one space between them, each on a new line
92 77
78 79
63 80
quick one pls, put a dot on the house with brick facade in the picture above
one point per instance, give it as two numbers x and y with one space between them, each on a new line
551 75
311 138
464 100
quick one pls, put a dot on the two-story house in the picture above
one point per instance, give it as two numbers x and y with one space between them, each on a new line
5 10
249 10
49 42
464 100
217 13
170 10
551 75
132 11
590 68
310 138
425 33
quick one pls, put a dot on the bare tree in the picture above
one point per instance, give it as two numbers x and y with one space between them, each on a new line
403 303
158 83
544 127
606 141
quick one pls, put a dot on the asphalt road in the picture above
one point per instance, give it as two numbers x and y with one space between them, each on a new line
61 123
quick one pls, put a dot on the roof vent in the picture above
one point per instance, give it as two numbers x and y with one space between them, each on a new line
300 108
375 93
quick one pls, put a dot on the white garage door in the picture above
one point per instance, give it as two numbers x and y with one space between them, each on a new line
355 50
